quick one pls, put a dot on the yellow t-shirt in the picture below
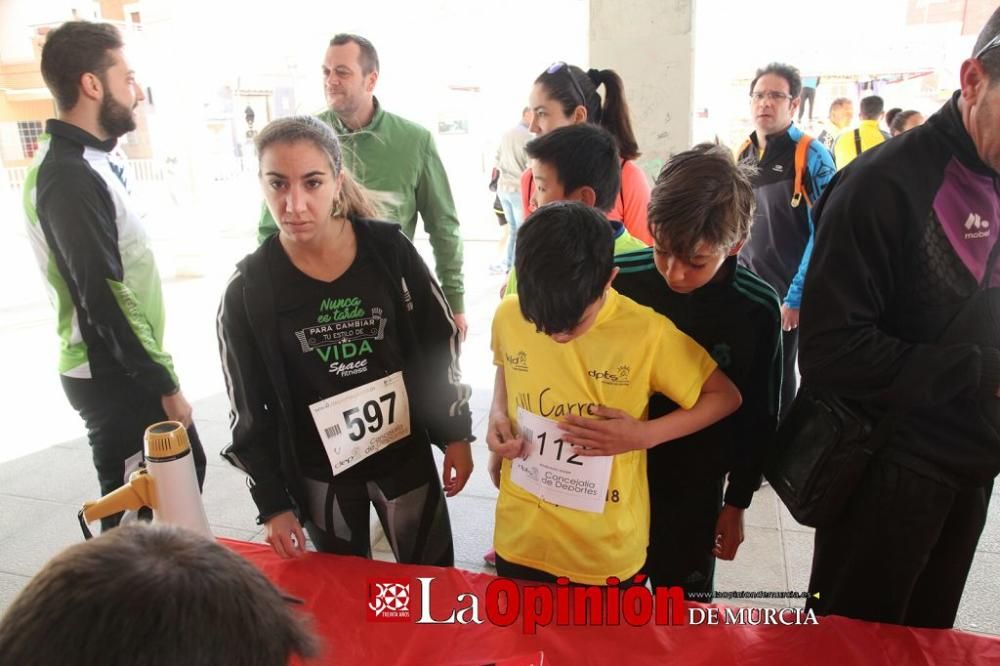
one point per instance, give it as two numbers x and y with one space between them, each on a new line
844 150
628 354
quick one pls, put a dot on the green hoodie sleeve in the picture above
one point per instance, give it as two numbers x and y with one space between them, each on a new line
437 209
266 227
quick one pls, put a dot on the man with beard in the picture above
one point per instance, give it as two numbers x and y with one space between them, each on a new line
95 257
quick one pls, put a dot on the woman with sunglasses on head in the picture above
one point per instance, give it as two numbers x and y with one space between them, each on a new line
340 355
566 95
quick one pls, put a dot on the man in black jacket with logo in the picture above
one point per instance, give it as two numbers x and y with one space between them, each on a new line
901 313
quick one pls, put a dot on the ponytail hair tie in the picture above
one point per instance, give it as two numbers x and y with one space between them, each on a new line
595 76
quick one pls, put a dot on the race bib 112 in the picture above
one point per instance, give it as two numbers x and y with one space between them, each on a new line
552 472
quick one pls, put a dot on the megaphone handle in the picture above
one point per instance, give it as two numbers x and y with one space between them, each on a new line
133 495
84 526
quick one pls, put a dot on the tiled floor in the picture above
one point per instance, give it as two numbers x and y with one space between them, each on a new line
40 495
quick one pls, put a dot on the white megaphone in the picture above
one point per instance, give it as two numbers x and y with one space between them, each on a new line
168 484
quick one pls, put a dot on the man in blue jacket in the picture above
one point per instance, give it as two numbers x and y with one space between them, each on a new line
781 237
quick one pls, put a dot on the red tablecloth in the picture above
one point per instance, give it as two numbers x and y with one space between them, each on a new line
334 590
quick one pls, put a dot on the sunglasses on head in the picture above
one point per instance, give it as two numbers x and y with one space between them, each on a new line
560 65
989 46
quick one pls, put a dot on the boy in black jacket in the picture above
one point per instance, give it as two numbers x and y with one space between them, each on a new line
699 215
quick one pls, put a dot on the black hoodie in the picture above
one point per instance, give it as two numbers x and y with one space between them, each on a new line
901 309
738 321
261 421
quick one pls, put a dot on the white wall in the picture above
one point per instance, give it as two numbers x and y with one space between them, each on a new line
650 43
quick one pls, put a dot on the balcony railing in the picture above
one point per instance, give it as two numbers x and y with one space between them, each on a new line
15 177
142 171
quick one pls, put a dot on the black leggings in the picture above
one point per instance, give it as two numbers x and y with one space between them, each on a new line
415 522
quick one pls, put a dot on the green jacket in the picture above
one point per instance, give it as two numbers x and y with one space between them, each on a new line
397 159
97 261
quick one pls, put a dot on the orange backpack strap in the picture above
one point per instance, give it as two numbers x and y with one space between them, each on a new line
743 146
801 155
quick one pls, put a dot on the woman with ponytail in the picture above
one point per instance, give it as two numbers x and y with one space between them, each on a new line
566 95
340 355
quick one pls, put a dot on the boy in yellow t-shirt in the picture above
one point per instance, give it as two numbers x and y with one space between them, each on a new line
569 344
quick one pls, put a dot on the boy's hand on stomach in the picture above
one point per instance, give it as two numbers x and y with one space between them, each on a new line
613 432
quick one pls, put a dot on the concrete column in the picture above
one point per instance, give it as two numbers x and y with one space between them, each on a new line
650 43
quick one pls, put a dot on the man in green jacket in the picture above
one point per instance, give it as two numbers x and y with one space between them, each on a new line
391 156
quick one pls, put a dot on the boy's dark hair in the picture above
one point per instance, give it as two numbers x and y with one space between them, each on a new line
582 155
564 258
701 195
572 87
153 595
787 72
872 107
73 49
369 56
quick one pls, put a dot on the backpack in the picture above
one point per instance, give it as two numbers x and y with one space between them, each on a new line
801 155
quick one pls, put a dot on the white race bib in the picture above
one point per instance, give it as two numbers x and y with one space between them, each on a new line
361 422
553 472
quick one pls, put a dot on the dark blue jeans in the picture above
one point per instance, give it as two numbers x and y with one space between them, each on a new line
117 410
